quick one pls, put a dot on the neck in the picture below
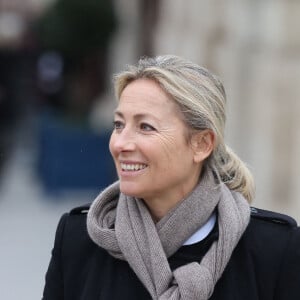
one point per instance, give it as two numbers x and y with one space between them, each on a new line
160 206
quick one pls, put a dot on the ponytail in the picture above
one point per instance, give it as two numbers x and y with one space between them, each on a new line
233 172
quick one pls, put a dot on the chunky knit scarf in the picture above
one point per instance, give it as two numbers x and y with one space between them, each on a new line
124 227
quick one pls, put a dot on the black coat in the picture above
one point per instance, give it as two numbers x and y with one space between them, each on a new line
265 264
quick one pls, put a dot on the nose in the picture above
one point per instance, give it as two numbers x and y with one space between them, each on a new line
123 141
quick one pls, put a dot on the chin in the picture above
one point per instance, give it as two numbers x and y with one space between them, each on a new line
130 189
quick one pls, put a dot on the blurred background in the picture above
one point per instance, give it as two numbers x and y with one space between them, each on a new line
57 58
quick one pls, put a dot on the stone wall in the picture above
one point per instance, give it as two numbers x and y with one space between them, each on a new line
254 46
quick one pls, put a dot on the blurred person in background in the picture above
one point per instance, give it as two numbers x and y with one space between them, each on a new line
178 223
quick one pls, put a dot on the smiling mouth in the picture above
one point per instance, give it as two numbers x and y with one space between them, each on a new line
132 167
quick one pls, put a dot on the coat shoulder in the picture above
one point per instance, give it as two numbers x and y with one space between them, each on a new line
267 238
80 210
272 217
76 218
76 238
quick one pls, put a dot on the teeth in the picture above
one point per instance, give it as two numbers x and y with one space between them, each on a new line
132 167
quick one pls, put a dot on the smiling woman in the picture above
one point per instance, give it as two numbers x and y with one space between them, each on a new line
177 224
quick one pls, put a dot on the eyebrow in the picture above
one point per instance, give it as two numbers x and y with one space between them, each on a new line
137 116
118 113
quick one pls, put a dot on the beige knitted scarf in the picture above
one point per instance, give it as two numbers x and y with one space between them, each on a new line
124 227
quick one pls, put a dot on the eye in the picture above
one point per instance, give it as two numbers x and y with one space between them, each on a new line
146 127
118 125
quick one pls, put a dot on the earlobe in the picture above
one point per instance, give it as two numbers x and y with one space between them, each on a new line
203 144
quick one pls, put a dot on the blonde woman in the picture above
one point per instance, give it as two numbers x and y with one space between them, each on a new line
177 224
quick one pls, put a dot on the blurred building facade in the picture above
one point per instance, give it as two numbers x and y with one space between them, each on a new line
254 46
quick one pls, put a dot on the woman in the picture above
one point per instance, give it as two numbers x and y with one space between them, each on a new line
177 224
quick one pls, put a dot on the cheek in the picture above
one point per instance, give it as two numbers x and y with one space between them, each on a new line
173 146
111 145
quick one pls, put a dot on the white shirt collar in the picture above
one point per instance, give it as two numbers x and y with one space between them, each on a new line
202 232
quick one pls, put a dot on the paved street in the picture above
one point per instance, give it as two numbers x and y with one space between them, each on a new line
28 220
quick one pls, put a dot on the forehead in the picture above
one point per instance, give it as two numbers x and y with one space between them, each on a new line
146 94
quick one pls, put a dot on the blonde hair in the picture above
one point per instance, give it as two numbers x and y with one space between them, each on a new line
201 98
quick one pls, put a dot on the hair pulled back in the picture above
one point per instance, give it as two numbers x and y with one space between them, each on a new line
201 98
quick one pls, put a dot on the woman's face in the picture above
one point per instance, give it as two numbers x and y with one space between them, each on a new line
153 158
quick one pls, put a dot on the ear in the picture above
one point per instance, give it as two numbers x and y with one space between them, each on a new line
202 144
